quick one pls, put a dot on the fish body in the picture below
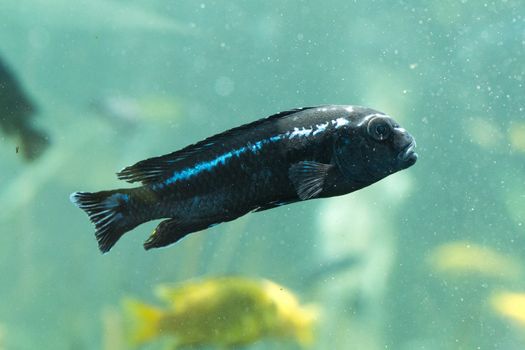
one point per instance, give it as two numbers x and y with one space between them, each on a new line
226 312
302 154
463 258
16 113
131 111
510 305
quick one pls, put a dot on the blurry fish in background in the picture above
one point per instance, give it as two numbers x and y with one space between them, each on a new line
97 16
223 312
484 132
327 270
510 305
516 136
457 259
16 117
129 111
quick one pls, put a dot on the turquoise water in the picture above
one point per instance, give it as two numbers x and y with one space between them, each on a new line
120 81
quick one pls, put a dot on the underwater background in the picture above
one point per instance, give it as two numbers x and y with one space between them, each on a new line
429 258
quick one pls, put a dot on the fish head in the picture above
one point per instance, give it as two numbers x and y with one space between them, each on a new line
372 146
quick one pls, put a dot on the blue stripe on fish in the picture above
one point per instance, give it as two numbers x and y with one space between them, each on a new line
220 160
254 148
200 167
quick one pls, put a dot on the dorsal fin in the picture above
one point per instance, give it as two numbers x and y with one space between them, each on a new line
156 169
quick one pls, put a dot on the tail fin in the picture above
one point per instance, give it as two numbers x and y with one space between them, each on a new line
144 321
34 143
305 320
109 211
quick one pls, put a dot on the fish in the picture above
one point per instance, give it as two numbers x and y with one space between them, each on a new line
293 156
225 312
516 136
130 111
510 305
16 116
461 258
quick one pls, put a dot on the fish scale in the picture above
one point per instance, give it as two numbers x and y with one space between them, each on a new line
296 155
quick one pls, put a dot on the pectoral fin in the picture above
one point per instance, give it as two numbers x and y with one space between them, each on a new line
308 178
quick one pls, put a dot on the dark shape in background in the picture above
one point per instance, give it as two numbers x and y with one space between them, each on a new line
16 114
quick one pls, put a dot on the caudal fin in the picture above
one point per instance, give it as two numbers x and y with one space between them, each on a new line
304 322
109 211
144 321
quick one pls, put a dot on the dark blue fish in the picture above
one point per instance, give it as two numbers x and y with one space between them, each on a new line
302 154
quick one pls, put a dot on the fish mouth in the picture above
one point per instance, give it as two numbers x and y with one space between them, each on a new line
408 153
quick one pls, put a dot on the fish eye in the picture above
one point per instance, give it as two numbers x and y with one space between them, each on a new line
379 128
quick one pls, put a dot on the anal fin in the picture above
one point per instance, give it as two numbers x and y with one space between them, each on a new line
167 232
308 178
172 230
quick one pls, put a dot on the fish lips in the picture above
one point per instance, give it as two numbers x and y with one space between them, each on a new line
408 155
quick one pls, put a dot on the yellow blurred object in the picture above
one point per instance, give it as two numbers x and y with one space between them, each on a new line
223 311
160 108
130 110
483 132
463 257
112 330
146 320
517 137
510 305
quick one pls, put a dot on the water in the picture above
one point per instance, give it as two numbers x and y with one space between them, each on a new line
119 81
